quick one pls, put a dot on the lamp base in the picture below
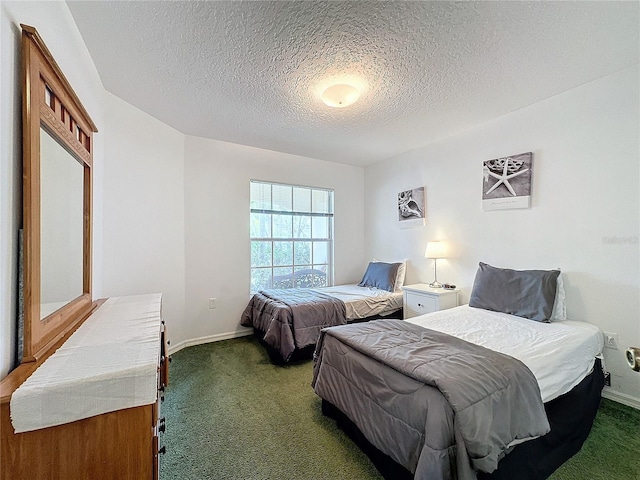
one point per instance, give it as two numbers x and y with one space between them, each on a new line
435 284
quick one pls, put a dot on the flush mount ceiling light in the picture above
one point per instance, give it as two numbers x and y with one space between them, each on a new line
340 95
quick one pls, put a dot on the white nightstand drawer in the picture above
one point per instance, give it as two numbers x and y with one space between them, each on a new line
420 299
420 304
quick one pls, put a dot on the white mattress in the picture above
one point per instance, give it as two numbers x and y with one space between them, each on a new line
560 354
362 302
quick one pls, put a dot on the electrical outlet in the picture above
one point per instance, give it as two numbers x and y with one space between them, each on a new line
212 303
617 382
607 379
611 340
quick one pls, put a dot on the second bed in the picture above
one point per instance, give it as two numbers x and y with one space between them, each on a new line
468 392
290 320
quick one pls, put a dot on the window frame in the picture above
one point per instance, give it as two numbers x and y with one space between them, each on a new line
313 240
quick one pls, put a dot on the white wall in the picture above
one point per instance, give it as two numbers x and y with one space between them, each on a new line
217 176
143 229
55 25
585 193
176 219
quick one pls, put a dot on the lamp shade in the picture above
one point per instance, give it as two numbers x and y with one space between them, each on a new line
436 250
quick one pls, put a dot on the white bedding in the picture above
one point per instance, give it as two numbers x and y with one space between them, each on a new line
560 354
362 302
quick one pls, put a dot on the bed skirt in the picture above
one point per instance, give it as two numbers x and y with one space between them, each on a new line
570 416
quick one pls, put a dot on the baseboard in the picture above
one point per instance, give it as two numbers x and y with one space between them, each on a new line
208 339
621 398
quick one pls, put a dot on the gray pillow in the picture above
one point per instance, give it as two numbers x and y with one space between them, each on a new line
380 275
525 293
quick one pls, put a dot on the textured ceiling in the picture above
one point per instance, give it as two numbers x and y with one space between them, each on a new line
252 72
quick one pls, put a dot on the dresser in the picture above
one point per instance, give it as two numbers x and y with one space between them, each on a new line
421 298
90 409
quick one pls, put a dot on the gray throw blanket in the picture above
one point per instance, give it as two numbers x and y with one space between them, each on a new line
495 398
292 318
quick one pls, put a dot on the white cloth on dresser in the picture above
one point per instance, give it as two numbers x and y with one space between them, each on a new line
109 363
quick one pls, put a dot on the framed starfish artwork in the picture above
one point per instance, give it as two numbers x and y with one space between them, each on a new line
411 207
507 182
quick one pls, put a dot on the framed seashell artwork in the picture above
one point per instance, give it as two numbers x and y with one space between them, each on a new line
506 182
411 207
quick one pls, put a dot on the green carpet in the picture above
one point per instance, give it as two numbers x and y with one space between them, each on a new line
612 450
231 414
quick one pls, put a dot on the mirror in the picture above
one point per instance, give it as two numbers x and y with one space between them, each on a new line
61 206
57 161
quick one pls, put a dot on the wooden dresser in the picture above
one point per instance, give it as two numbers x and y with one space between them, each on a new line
121 444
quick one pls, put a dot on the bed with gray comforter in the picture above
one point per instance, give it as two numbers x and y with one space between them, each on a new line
292 319
439 406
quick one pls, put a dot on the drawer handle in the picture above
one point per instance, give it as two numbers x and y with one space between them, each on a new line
420 305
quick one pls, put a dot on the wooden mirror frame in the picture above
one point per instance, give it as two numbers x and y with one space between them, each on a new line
69 123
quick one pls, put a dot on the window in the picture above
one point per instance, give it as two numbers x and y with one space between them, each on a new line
291 236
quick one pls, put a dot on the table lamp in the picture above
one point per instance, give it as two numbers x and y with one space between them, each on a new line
435 250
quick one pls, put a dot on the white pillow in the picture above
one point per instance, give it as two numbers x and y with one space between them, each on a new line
559 306
402 270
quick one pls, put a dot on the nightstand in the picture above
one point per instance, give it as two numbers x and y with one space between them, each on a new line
421 298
